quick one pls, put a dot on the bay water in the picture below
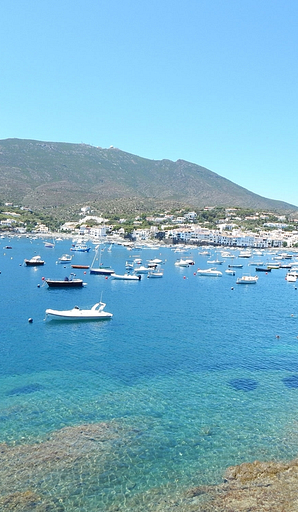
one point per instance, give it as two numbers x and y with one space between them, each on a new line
193 373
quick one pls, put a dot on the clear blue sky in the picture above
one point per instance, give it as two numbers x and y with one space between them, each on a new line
214 82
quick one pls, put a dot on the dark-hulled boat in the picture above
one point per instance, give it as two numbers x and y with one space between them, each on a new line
36 261
67 282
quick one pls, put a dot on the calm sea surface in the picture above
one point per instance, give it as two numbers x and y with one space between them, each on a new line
192 375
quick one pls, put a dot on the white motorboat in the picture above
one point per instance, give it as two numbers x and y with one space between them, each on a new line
247 279
95 313
245 254
154 261
215 262
126 277
212 272
65 258
35 261
155 273
181 263
230 272
80 247
142 270
49 245
291 277
190 261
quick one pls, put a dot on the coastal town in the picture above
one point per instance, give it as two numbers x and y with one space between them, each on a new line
231 227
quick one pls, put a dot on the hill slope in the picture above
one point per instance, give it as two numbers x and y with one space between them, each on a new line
43 174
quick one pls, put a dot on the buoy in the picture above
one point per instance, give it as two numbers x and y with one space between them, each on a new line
42 278
194 273
38 286
277 336
106 277
232 288
30 320
184 277
85 272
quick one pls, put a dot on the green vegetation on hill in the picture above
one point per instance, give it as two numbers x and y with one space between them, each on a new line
61 177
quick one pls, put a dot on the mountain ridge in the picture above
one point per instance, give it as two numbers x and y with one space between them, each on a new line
42 174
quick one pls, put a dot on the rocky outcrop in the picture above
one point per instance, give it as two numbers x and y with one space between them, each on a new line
251 487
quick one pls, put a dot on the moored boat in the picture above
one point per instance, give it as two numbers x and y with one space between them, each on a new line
247 279
181 263
35 261
155 273
80 248
97 267
126 277
212 272
67 282
65 258
95 313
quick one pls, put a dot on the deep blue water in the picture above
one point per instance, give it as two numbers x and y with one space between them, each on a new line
202 373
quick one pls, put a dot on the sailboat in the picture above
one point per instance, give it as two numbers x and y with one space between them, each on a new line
97 267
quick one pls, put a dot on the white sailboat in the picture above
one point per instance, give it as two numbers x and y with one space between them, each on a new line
97 267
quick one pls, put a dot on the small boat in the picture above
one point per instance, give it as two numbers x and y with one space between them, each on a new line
35 261
212 272
67 282
273 265
247 279
80 248
154 261
80 266
291 277
181 263
65 258
126 277
97 267
230 272
95 313
49 245
143 270
225 254
215 262
235 266
263 269
245 254
155 273
190 261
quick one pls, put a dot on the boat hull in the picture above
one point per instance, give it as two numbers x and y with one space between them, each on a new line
29 263
76 314
126 277
102 271
56 315
75 283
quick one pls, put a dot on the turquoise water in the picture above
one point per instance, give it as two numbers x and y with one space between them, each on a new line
193 374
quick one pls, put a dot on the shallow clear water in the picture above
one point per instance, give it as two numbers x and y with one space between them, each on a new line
198 373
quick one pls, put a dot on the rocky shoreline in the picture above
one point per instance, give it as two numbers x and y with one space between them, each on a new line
72 453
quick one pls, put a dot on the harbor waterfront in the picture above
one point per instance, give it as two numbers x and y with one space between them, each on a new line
191 375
